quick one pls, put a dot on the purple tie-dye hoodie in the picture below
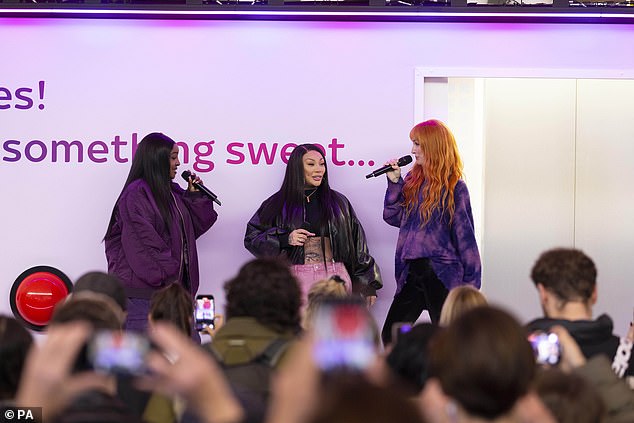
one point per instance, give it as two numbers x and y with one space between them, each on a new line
452 250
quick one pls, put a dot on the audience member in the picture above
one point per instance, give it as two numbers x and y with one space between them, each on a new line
48 380
15 342
569 397
616 395
101 401
263 316
459 300
480 368
103 283
94 309
333 287
566 281
355 400
302 393
408 357
173 304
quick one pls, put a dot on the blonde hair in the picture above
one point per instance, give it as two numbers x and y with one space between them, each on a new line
460 299
318 292
438 175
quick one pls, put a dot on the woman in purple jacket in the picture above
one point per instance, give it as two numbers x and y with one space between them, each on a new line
436 248
151 237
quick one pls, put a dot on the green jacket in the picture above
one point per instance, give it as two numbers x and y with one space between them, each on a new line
242 339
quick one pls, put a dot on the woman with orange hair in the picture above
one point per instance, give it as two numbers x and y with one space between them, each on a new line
436 248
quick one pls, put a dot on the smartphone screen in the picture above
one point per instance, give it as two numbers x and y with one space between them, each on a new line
204 312
344 336
118 352
546 347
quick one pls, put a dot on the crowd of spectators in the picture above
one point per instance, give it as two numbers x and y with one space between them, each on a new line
476 365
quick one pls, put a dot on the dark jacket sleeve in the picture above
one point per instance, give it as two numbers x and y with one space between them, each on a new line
149 256
201 209
365 274
264 240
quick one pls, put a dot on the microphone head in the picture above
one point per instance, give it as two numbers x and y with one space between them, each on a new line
405 160
186 174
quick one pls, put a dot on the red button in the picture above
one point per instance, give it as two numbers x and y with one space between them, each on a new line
35 294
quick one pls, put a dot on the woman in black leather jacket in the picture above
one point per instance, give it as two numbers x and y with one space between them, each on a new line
313 226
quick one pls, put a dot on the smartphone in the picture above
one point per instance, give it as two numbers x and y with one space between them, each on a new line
399 329
546 347
344 335
204 312
118 352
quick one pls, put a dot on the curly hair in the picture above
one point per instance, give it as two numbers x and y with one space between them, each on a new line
567 272
438 176
266 290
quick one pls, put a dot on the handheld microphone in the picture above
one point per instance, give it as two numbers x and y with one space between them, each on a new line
186 174
385 169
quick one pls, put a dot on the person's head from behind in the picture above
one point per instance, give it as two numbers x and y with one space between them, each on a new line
105 284
563 276
569 397
459 300
438 164
265 290
173 304
100 313
15 342
482 362
333 287
357 400
350 399
407 360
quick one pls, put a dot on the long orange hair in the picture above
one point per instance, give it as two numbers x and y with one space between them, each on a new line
441 171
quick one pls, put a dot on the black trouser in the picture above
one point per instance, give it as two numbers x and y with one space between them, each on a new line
422 291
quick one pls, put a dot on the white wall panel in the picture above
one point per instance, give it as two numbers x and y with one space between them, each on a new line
529 183
604 192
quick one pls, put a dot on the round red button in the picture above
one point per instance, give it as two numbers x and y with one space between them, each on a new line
35 294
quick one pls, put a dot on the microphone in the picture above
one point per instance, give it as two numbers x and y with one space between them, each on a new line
385 169
186 174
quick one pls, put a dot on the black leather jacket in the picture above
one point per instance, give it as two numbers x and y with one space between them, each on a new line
270 240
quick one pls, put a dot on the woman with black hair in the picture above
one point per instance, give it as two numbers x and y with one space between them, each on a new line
151 237
314 227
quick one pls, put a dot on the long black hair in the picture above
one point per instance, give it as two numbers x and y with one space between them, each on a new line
288 202
152 164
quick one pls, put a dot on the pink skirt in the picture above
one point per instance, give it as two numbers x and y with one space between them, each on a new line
308 274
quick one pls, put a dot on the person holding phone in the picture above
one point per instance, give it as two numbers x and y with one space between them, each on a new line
151 237
313 226
436 248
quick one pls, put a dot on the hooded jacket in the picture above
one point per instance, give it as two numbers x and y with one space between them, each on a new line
594 337
271 240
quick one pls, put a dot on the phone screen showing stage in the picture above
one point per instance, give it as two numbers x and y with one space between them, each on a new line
204 312
344 338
